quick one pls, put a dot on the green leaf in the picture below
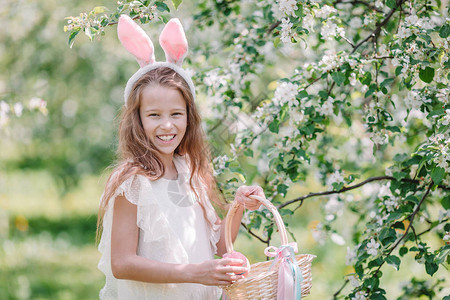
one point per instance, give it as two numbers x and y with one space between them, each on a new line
431 268
248 152
437 174
386 82
393 261
338 77
282 189
377 297
274 126
390 3
399 157
387 236
367 78
176 3
446 202
99 9
162 7
375 263
426 74
403 250
443 255
444 31
276 41
72 36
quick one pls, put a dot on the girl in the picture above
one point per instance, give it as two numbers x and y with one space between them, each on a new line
159 229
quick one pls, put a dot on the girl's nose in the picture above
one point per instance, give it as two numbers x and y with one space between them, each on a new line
166 123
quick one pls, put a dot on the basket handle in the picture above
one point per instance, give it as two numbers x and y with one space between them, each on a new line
232 211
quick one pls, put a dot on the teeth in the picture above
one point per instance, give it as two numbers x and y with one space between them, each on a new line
166 137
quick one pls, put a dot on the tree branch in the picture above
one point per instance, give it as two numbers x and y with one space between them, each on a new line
272 27
345 189
379 26
255 235
412 216
433 226
340 290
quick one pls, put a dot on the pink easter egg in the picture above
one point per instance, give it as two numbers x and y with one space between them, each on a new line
241 256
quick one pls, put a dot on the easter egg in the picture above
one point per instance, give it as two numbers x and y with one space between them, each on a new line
239 255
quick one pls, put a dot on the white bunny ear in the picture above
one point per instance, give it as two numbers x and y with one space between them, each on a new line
135 40
173 41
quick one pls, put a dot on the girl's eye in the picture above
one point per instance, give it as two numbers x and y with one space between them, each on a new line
175 114
153 115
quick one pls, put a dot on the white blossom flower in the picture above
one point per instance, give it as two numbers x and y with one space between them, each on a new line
446 236
443 95
337 239
441 161
360 296
309 22
333 206
286 93
213 79
350 257
288 6
335 177
246 217
352 79
446 119
404 32
4 107
330 30
18 109
378 4
372 247
395 62
326 109
220 162
391 203
353 281
425 23
319 235
385 190
286 33
383 50
412 19
379 137
412 100
355 22
324 12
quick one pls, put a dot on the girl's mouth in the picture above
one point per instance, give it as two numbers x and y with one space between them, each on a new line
166 138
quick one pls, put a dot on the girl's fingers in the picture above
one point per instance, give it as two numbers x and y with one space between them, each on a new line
232 261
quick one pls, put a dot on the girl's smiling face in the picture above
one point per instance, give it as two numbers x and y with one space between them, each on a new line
164 117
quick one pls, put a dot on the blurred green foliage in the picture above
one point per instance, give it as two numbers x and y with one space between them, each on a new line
53 255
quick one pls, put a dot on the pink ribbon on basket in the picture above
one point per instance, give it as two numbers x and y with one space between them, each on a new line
289 274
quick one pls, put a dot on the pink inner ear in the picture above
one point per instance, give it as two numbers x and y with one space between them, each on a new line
173 41
135 40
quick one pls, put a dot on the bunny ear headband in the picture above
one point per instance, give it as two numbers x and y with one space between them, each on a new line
137 42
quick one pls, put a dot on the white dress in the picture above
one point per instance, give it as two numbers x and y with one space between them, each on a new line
172 229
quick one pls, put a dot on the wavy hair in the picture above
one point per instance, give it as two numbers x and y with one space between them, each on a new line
138 155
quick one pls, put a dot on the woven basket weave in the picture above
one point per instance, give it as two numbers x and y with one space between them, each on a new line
262 280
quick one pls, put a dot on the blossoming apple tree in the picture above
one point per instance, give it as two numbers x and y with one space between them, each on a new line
353 94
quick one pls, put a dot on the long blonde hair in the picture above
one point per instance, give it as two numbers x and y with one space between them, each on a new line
138 155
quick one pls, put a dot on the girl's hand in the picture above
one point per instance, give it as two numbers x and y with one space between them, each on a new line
218 272
244 191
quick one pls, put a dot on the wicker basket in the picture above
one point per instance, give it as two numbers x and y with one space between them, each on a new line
262 280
